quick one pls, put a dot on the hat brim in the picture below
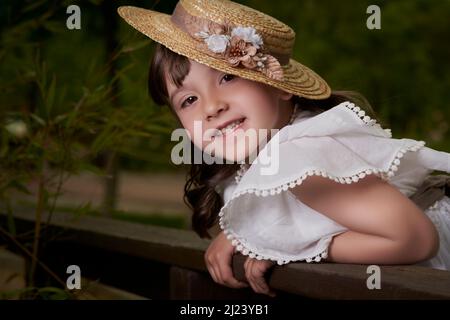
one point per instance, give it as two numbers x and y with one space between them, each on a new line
297 78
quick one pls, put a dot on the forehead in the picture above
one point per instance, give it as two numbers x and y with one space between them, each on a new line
197 72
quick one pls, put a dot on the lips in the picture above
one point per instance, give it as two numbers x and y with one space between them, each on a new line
229 127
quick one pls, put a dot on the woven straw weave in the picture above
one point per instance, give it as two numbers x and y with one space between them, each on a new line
278 38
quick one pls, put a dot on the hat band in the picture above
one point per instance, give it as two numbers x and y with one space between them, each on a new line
238 45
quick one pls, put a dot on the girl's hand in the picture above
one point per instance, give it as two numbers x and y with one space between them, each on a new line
254 271
218 259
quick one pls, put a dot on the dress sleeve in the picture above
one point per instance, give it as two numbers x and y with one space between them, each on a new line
264 220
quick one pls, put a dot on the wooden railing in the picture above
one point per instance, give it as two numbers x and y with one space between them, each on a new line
164 263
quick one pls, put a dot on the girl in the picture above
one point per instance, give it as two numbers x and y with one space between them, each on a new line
341 186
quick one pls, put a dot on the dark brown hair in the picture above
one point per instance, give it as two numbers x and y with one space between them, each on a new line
199 192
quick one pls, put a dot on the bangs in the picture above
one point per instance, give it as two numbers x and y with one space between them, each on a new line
166 65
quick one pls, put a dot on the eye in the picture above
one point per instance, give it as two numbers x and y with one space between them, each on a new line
228 76
184 102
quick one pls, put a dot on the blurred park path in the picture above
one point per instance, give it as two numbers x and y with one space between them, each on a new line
138 192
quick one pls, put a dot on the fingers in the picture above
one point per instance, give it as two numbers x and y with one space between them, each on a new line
254 278
222 273
227 277
220 269
254 272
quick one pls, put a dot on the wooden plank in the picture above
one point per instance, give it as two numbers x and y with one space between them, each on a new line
143 277
186 284
186 250
167 245
94 290
349 281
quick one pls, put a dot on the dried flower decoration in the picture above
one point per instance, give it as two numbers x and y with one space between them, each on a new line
236 45
248 35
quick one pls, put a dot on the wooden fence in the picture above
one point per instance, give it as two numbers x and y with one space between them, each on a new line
164 263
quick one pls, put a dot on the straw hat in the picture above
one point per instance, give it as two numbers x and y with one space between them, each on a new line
231 38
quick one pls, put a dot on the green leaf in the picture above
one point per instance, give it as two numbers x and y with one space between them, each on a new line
103 140
135 46
60 117
52 293
38 119
51 95
84 209
154 128
14 184
33 5
86 166
54 26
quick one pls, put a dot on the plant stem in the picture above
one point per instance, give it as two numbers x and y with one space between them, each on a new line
37 225
21 247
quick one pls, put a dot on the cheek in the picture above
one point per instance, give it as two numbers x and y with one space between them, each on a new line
195 129
263 114
197 136
261 103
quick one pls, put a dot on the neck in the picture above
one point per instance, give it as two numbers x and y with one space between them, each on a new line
286 114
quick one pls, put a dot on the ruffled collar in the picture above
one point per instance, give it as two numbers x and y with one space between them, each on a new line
344 117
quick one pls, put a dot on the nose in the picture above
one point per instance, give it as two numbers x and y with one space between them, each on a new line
214 109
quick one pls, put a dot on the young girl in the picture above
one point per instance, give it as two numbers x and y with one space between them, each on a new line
341 186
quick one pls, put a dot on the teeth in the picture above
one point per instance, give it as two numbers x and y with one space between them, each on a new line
229 127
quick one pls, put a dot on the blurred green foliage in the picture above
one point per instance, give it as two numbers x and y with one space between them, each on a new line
403 68
61 106
65 98
61 78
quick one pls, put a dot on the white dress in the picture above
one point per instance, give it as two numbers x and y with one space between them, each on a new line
264 220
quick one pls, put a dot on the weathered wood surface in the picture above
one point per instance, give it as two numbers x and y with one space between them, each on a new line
185 250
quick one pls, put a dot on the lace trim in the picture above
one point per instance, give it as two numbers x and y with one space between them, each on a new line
280 261
364 118
439 204
440 207
385 175
361 114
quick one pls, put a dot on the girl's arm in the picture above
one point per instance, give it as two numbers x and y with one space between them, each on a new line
385 226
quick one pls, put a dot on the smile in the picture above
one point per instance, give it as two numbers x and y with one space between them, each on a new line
229 128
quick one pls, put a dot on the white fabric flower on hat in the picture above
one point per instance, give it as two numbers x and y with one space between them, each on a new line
248 34
217 42
202 34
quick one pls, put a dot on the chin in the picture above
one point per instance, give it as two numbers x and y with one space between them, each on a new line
240 156
232 156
